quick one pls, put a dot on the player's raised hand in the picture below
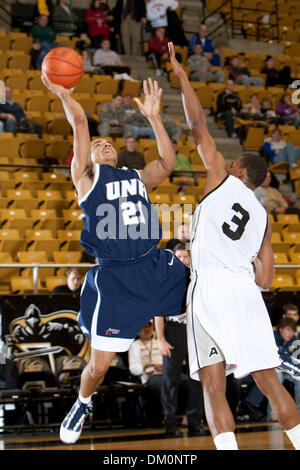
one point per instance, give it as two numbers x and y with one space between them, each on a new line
151 106
177 69
58 90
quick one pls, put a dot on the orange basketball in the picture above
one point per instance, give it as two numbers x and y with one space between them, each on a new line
63 66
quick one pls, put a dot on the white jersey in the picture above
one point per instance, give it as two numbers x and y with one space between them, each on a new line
227 319
228 228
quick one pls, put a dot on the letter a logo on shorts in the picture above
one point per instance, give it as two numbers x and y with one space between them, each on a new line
213 351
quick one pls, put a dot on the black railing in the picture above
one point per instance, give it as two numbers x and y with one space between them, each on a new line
247 28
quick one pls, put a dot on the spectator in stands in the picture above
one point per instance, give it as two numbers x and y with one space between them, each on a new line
273 76
278 150
145 362
83 43
158 49
184 166
97 21
88 63
43 34
172 128
229 105
208 49
182 237
136 123
130 157
172 338
273 200
45 7
287 111
129 17
13 117
239 73
112 117
65 20
109 60
201 69
291 311
157 12
285 337
269 113
73 283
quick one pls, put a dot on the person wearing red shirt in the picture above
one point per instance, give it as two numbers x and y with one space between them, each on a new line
96 19
158 48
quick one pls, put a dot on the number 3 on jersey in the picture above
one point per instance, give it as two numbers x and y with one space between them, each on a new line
240 222
132 213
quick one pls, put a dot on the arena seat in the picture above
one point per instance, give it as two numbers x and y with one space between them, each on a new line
281 258
107 87
70 239
11 241
53 281
67 257
159 198
287 218
282 281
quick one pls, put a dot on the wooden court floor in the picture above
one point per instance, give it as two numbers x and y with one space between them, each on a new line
250 436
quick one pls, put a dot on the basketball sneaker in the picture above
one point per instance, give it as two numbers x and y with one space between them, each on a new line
289 365
72 425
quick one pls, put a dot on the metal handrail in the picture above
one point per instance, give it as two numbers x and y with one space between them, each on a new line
36 266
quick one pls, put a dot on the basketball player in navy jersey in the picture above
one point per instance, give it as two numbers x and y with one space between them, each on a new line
229 329
134 280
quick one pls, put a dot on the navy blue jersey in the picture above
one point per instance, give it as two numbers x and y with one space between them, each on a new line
120 221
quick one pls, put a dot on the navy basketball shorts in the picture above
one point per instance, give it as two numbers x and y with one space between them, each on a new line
119 297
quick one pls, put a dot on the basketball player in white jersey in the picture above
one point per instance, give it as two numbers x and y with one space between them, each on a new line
229 329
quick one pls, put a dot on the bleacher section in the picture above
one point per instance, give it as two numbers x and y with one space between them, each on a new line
40 220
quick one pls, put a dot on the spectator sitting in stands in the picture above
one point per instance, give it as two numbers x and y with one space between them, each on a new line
287 111
83 43
145 362
182 237
277 150
65 20
229 105
45 36
14 118
158 49
96 20
87 62
136 123
239 73
73 284
269 113
201 69
276 77
273 200
184 166
130 157
207 46
112 117
292 311
109 60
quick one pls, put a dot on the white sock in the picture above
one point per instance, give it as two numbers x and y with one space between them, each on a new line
226 441
84 399
294 436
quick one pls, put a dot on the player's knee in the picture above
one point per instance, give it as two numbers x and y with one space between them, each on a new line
97 370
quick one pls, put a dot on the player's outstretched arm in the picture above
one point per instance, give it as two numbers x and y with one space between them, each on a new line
78 121
196 120
264 262
156 171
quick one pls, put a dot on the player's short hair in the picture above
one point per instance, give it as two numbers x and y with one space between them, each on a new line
287 322
256 167
290 306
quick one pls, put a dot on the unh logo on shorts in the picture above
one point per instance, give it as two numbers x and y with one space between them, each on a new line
111 331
